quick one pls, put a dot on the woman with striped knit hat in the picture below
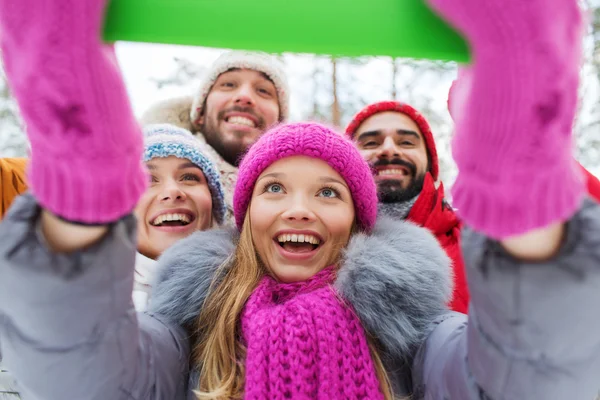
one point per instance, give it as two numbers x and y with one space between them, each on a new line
184 196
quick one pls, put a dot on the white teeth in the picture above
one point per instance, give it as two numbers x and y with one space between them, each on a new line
391 172
171 217
298 239
241 121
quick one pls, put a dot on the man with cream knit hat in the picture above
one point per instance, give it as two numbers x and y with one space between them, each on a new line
241 96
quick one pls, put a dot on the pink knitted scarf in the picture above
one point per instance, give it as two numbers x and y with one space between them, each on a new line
303 342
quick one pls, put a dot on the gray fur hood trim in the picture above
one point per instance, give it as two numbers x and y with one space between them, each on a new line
185 272
398 279
174 111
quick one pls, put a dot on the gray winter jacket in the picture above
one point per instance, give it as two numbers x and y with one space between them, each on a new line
8 387
68 329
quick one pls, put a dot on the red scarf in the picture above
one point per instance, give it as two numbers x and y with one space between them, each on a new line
593 184
432 212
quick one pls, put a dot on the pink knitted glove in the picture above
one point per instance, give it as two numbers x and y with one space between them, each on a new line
86 147
514 113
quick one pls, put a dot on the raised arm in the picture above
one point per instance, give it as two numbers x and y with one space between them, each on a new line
532 246
68 328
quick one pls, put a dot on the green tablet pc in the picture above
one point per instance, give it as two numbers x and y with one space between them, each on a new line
397 28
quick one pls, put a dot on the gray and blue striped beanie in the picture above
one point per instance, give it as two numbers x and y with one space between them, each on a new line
164 140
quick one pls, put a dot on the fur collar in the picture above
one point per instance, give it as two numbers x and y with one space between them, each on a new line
398 279
175 111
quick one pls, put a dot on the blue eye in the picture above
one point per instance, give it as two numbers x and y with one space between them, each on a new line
274 188
329 193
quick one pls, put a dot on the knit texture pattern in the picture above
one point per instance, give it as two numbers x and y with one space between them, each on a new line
311 140
397 210
164 140
514 111
303 342
257 61
409 111
86 145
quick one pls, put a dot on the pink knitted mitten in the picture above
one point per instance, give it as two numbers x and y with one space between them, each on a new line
517 103
86 146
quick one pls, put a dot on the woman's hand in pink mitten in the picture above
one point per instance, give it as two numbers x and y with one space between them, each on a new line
86 145
514 119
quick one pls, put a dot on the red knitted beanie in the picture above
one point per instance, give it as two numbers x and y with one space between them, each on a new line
410 112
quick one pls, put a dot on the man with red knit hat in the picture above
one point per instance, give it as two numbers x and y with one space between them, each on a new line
397 141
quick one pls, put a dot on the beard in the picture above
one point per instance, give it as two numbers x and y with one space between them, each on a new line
391 190
231 152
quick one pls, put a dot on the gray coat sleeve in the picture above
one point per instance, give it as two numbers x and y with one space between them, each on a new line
68 328
533 330
8 388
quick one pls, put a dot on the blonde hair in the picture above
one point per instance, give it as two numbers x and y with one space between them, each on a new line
218 353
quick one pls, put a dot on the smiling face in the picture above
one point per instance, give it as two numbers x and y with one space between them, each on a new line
177 203
394 145
240 107
301 216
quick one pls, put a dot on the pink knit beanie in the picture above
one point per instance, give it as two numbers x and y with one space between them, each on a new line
312 140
